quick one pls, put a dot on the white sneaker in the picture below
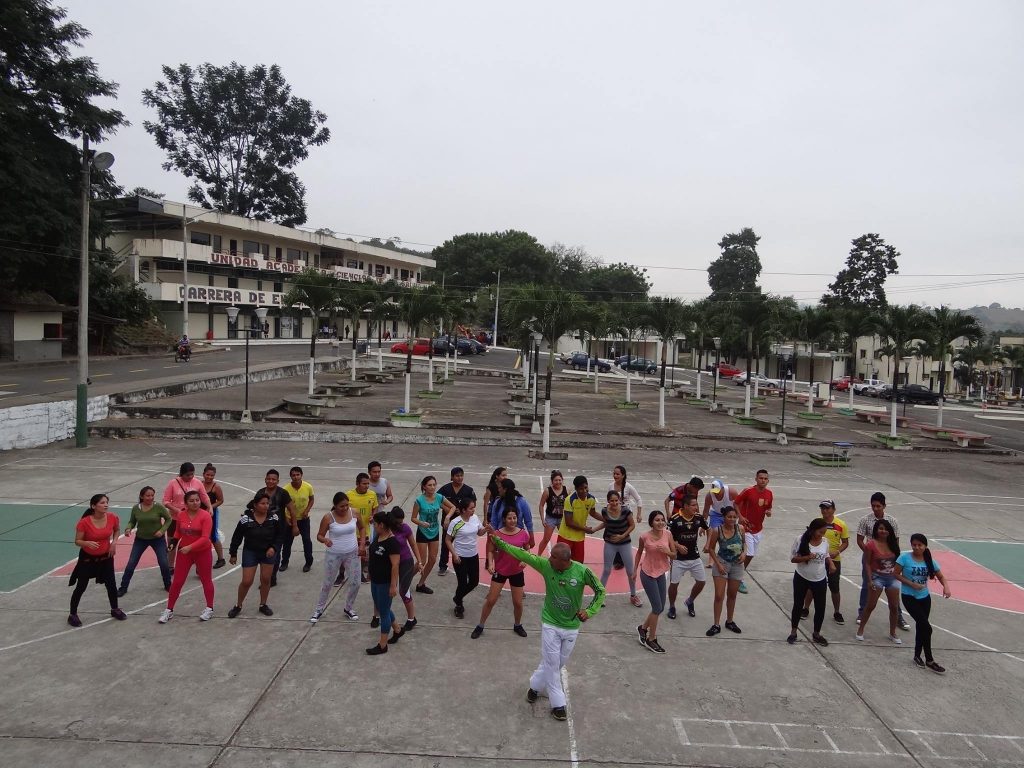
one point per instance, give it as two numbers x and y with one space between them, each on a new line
896 640
316 616
859 637
166 616
206 615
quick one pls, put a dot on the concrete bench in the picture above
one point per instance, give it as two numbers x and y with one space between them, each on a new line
877 417
936 433
519 395
330 399
737 409
304 406
775 427
347 388
377 377
517 411
969 439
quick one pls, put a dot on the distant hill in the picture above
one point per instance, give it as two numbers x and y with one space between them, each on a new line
996 317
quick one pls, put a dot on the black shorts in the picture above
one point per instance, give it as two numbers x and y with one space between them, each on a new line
515 580
833 578
421 539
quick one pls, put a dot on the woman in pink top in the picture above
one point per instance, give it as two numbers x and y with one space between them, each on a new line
653 561
194 548
174 500
503 567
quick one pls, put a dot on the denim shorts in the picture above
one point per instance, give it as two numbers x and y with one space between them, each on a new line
884 581
251 559
551 521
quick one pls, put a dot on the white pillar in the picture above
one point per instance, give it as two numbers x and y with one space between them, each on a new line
661 407
746 400
628 390
353 363
547 426
408 376
312 360
810 398
698 385
892 419
756 382
380 357
851 393
938 420
430 374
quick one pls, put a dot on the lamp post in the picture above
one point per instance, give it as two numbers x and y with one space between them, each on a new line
100 162
786 356
184 263
497 298
261 315
537 336
718 359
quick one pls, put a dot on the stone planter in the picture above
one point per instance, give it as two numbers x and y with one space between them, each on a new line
427 394
627 406
400 418
810 416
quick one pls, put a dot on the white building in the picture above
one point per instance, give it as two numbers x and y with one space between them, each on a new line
233 260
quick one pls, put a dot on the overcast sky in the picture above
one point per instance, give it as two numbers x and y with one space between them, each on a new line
640 131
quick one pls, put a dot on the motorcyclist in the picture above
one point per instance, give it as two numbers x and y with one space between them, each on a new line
184 347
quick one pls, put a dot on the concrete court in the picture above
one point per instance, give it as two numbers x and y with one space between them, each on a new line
278 691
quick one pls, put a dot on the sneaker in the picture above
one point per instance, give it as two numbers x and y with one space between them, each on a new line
424 589
919 661
653 645
207 614
858 618
118 614
731 626
636 601
715 629
791 639
375 622
376 650
743 588
307 567
837 617
221 562
410 625
74 621
273 581
460 612
166 616
122 591
896 640
531 695
237 609
396 636
689 607
283 568
442 571
641 632
477 631
819 640
353 616
936 667
559 713
804 613
364 579
518 629
859 637
266 610
671 611
904 626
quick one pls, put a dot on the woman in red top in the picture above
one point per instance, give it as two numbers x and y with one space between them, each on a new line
194 548
96 533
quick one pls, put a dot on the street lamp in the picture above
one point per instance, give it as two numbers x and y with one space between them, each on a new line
718 360
184 263
100 162
537 336
261 315
786 356
497 298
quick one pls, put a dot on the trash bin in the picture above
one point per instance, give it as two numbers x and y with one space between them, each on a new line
361 347
209 335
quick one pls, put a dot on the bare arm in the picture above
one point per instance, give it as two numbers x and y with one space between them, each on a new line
321 535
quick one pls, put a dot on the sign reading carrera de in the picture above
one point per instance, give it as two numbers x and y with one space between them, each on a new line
199 293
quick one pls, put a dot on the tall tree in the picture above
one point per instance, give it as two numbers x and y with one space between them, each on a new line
816 325
862 280
947 326
237 131
735 272
852 322
477 257
316 293
901 326
667 318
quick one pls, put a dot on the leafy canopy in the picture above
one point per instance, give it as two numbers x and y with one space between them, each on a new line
862 281
735 272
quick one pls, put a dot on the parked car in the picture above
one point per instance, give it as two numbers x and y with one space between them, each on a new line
860 386
725 370
760 378
443 347
911 393
639 364
419 347
578 362
478 347
841 385
872 390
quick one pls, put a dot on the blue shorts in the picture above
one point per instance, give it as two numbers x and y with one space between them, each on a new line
551 521
884 581
251 559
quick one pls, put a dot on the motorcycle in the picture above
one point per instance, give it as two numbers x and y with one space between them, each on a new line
182 353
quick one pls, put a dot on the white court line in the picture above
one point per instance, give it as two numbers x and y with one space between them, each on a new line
981 541
574 754
985 567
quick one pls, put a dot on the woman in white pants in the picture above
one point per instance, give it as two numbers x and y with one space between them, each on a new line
343 535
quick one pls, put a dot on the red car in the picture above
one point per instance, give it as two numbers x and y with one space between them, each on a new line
841 385
419 347
725 370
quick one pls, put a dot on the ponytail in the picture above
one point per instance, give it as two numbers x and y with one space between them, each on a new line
928 561
804 547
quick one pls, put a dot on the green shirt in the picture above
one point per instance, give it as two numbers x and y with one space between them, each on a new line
147 524
564 594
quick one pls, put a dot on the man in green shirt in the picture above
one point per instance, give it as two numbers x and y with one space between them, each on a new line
564 580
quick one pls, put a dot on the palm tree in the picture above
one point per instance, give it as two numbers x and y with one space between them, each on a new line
1015 359
667 318
353 300
851 323
418 306
629 318
593 323
382 306
947 326
317 292
901 326
816 325
703 314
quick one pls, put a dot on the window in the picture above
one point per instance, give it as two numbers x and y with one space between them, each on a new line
52 331
294 255
233 247
417 277
217 243
199 238
863 354
277 254
250 246
265 250
232 282
405 274
279 287
389 270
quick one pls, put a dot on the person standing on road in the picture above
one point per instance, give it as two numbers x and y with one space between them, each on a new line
150 522
865 526
174 501
380 485
493 489
462 534
194 548
913 569
686 525
503 567
427 512
364 503
216 494
510 498
754 505
580 506
96 536
618 523
383 567
279 501
837 534
561 616
810 554
718 497
552 507
675 501
457 492
300 504
881 552
408 565
630 500
653 561
261 534
343 534
726 545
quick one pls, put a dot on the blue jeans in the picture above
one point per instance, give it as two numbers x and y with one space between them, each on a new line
139 546
865 581
382 602
307 544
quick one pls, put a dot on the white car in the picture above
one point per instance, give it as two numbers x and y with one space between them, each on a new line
860 386
760 378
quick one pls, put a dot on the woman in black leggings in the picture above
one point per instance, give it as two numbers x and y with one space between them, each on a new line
813 564
96 534
913 569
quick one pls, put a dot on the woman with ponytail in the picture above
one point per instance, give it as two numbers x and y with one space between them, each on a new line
813 564
913 569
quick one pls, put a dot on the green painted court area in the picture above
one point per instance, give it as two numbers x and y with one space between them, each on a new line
1005 559
36 538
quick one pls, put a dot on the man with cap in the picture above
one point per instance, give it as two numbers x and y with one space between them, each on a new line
719 495
458 493
838 537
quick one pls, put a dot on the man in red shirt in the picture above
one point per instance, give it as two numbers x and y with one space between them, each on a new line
674 502
754 505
